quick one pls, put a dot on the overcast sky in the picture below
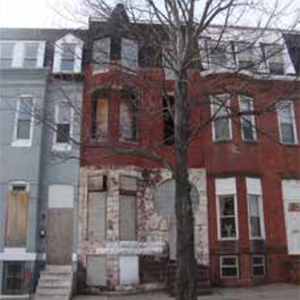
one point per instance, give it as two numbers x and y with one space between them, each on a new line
52 13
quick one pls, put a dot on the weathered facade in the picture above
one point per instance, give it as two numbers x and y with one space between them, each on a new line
38 195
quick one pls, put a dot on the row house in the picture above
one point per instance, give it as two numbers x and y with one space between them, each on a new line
38 185
244 164
86 117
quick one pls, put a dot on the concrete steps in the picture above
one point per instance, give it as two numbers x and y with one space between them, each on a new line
55 283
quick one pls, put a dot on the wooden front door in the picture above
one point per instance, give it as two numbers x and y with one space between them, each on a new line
59 236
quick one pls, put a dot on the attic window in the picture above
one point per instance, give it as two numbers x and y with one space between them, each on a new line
245 56
274 58
6 55
168 119
220 54
68 56
31 53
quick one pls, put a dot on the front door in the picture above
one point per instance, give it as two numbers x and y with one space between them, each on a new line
59 230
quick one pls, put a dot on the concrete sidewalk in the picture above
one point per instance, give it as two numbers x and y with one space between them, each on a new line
266 292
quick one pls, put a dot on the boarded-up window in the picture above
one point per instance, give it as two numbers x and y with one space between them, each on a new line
127 217
97 183
100 118
96 271
128 183
17 217
128 119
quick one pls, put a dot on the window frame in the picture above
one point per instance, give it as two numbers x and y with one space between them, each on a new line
134 63
12 54
62 146
292 108
23 269
222 266
23 142
215 117
261 218
229 56
258 265
36 59
63 57
253 123
267 58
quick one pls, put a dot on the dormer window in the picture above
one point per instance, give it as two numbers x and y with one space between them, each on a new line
68 55
245 56
221 54
274 58
6 54
31 55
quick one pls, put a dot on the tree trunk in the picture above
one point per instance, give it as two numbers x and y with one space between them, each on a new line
186 262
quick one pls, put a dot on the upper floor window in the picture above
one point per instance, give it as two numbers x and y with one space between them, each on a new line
221 55
168 119
23 124
31 55
255 208
245 56
6 54
226 208
247 119
128 117
274 58
287 123
68 55
63 116
101 55
100 117
129 54
220 110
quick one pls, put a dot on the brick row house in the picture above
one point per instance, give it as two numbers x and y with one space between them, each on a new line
244 164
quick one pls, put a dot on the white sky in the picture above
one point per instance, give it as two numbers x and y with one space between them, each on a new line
52 13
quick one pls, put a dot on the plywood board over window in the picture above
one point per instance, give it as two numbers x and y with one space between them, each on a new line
16 218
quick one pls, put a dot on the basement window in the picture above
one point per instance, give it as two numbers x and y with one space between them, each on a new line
258 265
13 278
168 119
229 267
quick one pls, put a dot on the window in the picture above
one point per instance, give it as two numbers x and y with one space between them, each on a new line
17 216
274 58
229 267
168 119
101 55
13 278
100 117
287 126
31 55
220 54
247 119
221 120
255 208
68 57
226 208
129 55
245 56
23 129
128 117
258 265
128 213
63 115
6 54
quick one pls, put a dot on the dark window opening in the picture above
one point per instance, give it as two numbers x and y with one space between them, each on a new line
168 119
13 278
63 133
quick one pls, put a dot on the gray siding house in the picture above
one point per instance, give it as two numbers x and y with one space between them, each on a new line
40 105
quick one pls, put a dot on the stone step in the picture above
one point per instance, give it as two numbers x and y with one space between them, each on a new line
58 268
54 283
53 297
55 277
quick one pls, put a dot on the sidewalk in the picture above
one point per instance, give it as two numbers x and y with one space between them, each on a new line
266 292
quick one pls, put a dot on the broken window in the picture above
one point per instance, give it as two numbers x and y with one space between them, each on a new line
13 283
100 117
17 216
128 117
274 58
63 123
168 119
128 212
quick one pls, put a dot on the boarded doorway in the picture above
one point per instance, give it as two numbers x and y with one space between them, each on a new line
59 234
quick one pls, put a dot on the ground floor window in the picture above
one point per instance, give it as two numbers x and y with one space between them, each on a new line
13 282
229 267
258 265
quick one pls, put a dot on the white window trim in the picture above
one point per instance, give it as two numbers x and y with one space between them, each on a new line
62 146
19 182
237 266
294 123
23 142
213 121
253 125
264 265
